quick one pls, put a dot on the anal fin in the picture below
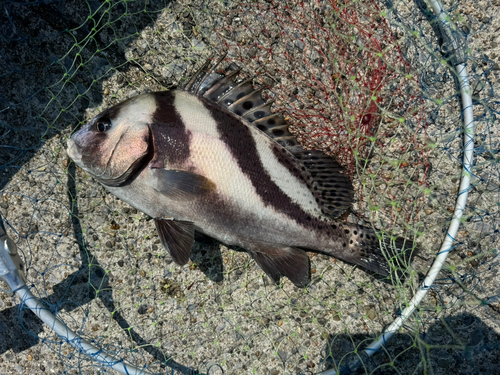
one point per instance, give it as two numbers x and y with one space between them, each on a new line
177 237
284 261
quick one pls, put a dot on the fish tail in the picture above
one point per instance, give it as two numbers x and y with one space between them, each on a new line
382 254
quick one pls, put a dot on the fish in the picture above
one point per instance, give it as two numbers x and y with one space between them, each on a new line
212 158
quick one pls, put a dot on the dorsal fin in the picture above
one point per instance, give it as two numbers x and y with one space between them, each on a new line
331 187
220 88
334 187
204 78
259 112
243 103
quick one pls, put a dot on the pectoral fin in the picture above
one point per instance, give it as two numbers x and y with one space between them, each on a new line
284 261
177 237
180 184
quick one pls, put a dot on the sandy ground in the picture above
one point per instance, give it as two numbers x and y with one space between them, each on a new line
99 264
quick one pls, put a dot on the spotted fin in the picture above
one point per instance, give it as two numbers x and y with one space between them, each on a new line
284 261
387 256
332 188
177 237
180 184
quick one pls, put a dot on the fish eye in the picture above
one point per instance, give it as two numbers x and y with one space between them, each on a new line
103 125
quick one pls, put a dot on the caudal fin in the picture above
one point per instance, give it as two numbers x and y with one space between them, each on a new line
383 254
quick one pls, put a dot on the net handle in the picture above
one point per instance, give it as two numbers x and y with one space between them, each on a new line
12 273
468 124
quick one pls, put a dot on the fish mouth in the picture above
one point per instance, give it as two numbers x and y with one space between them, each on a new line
73 151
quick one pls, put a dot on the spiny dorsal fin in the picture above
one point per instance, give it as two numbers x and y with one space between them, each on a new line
331 187
221 87
259 112
204 78
243 103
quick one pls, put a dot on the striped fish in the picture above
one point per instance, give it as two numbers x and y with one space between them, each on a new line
213 158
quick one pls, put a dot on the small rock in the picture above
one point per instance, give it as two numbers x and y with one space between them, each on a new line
220 327
143 309
283 355
198 44
482 227
371 314
265 321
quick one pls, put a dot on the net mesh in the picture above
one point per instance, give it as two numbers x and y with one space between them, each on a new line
366 82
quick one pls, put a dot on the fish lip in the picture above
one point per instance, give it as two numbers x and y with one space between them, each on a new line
73 151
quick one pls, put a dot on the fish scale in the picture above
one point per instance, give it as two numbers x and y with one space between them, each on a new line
213 158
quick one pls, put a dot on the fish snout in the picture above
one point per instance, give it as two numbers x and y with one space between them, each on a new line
73 151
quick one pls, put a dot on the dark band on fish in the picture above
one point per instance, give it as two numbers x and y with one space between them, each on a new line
113 111
242 146
292 167
172 139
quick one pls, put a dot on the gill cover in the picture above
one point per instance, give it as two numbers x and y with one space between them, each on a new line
114 145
